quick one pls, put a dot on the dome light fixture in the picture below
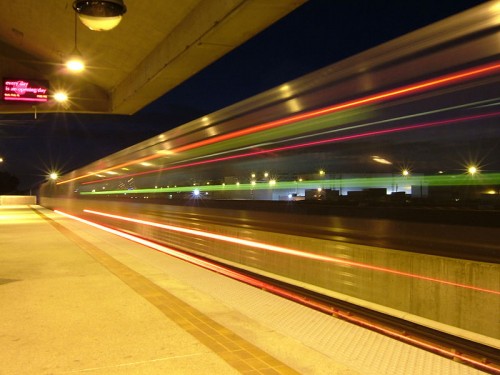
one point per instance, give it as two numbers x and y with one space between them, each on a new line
100 15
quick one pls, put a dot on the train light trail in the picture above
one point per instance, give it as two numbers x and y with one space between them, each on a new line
423 86
288 251
311 144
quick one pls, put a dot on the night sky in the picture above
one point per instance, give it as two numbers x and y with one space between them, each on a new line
317 34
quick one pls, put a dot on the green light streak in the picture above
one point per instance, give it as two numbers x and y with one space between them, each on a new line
345 183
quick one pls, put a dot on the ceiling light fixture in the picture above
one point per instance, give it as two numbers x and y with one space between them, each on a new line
100 15
75 63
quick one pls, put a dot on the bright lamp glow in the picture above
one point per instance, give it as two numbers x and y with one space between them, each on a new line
75 62
100 15
75 65
472 170
60 97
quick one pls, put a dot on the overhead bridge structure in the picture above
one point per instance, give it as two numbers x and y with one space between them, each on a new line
157 46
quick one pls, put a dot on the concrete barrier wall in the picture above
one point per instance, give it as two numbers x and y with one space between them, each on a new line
10 200
451 292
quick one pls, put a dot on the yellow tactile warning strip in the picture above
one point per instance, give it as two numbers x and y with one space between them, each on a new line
237 352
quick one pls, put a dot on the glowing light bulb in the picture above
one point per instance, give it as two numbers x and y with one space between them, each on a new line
60 96
75 65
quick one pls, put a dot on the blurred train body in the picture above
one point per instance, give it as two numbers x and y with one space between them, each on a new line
340 163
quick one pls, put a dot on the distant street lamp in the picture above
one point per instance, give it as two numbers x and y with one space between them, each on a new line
472 170
53 176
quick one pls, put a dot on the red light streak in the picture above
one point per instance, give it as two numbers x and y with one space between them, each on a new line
402 91
304 145
286 294
350 104
283 250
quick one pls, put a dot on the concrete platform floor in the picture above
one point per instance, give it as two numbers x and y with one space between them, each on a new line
74 299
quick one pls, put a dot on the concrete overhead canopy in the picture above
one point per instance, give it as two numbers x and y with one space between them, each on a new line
158 45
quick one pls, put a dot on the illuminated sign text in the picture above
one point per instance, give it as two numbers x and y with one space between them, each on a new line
22 90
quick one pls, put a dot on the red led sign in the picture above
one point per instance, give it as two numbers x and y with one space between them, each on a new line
25 90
